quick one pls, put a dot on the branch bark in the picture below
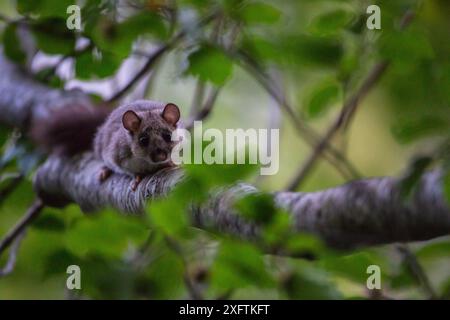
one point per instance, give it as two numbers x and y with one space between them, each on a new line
23 99
19 228
365 212
360 213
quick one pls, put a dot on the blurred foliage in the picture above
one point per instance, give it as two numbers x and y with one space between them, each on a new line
323 50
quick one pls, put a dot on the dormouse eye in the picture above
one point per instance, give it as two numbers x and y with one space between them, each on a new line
144 140
167 137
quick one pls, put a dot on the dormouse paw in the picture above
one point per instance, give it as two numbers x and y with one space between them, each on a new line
105 173
136 181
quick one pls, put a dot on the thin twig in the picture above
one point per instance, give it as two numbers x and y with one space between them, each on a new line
197 99
75 53
190 285
153 58
214 91
4 18
206 109
32 212
347 112
12 257
336 158
147 66
148 86
274 122
416 270
226 295
141 258
10 187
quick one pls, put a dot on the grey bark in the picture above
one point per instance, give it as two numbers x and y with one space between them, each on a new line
365 212
23 99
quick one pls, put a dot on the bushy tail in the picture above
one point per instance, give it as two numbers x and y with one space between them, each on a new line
69 130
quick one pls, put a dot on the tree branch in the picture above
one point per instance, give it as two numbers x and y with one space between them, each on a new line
18 229
416 270
12 257
365 212
23 99
335 157
347 112
10 187
155 56
151 61
206 108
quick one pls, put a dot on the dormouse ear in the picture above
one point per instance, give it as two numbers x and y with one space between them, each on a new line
131 121
171 114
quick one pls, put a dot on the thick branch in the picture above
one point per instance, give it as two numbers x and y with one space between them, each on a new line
23 99
365 212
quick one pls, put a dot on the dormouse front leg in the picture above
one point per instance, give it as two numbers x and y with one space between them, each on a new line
105 173
136 181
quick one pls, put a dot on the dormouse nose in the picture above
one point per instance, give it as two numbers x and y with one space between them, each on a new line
159 155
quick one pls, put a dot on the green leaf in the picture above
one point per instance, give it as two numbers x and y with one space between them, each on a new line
11 44
91 12
439 249
165 275
278 231
420 126
105 278
49 222
405 47
118 38
209 63
307 283
239 265
58 261
219 174
26 6
45 8
446 186
260 13
402 278
445 292
48 76
53 37
257 207
306 246
354 266
412 177
260 48
331 22
323 96
170 215
107 233
91 64
314 51
215 175
306 287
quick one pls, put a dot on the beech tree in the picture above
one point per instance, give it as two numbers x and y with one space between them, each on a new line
312 69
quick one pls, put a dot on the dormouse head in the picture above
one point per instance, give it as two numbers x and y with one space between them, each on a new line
151 132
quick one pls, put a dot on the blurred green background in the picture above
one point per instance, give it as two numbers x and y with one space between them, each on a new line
318 52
